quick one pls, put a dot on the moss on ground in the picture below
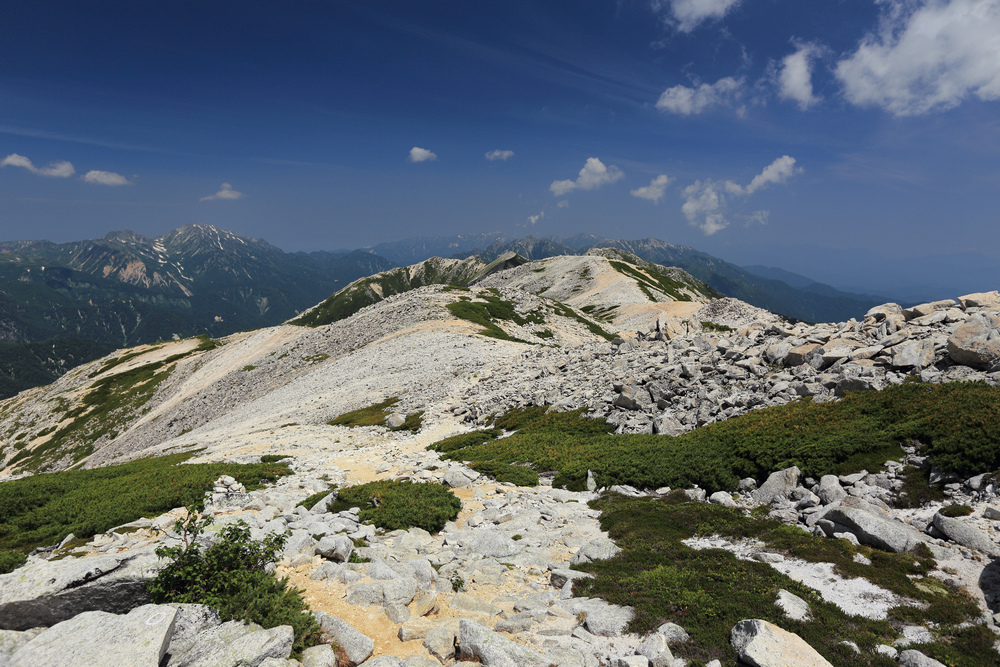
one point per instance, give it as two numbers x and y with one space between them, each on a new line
664 580
377 415
43 509
396 505
862 431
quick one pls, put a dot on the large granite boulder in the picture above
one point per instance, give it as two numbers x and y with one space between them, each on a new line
43 593
495 650
976 342
874 530
762 644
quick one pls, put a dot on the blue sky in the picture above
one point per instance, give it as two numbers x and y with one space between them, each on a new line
783 132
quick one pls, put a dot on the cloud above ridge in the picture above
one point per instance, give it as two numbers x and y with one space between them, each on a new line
225 192
706 203
686 101
492 156
655 190
593 175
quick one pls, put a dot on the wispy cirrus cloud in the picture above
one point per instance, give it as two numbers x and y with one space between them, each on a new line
505 155
418 154
225 192
57 169
926 56
97 177
593 175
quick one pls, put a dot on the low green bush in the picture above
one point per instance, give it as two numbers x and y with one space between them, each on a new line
230 576
311 501
273 458
504 472
413 422
373 415
954 511
43 509
665 580
917 489
396 505
11 560
957 424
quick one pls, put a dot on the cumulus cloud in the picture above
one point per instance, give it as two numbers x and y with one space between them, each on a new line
795 76
225 192
926 55
58 169
421 155
686 101
499 155
593 175
563 204
689 14
98 177
655 190
535 218
706 203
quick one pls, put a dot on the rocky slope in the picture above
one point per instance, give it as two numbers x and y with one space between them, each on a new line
273 391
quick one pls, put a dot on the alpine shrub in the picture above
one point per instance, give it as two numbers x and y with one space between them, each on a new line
400 505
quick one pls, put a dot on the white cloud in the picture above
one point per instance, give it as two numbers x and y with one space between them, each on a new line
58 169
421 155
563 204
688 14
499 155
225 192
655 190
795 77
104 178
535 218
927 55
706 203
593 175
777 172
685 101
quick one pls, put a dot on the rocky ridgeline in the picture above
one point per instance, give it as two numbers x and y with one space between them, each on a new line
674 385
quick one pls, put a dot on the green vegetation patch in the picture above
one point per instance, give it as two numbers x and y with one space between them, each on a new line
377 415
43 509
230 576
396 505
505 472
491 309
955 511
664 580
957 423
373 415
594 328
652 279
712 326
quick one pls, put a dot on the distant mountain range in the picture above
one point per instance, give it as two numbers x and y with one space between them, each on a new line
126 289
84 298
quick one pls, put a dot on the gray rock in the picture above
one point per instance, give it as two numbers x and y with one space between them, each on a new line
395 420
43 593
236 644
793 606
336 547
397 613
913 658
494 650
657 650
492 543
356 645
830 490
600 548
608 620
300 542
722 498
440 642
560 576
191 620
321 655
966 535
12 640
632 661
467 603
976 342
764 644
399 591
366 594
916 354
673 633
778 485
99 638
876 531
384 661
